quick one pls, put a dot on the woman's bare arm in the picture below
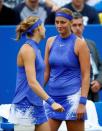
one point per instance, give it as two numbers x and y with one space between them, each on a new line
28 57
83 54
47 51
84 59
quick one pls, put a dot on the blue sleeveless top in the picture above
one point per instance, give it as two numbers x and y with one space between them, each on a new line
22 88
65 72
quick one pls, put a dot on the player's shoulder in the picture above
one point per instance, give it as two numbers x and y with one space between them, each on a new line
80 42
50 41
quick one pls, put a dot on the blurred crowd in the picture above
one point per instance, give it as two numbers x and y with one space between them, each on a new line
14 11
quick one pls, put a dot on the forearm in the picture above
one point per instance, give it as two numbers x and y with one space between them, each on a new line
39 90
85 86
46 78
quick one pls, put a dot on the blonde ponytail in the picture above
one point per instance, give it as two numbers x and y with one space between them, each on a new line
24 25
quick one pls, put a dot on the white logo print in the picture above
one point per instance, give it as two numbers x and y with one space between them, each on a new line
61 45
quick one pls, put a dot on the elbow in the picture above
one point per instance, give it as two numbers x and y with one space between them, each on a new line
46 77
32 83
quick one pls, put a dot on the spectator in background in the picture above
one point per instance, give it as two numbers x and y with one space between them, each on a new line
31 8
89 13
97 4
55 4
96 63
7 15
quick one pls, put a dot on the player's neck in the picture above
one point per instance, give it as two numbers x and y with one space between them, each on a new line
65 35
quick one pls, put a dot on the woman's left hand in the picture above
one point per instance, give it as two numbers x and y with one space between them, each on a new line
80 111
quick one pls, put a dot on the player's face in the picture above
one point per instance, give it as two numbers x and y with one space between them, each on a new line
78 2
62 24
77 26
42 31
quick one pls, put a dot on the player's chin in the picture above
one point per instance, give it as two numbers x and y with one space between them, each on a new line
43 36
60 31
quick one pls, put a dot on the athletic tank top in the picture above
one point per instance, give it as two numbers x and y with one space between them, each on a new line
22 88
65 72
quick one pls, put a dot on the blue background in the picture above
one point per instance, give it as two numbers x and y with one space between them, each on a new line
8 53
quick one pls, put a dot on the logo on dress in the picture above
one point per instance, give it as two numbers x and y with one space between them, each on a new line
61 45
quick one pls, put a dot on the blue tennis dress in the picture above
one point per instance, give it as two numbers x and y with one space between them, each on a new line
64 84
27 108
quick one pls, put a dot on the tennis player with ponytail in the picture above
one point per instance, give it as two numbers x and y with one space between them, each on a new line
67 74
27 106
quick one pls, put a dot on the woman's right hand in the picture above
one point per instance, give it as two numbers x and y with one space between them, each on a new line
81 111
57 107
